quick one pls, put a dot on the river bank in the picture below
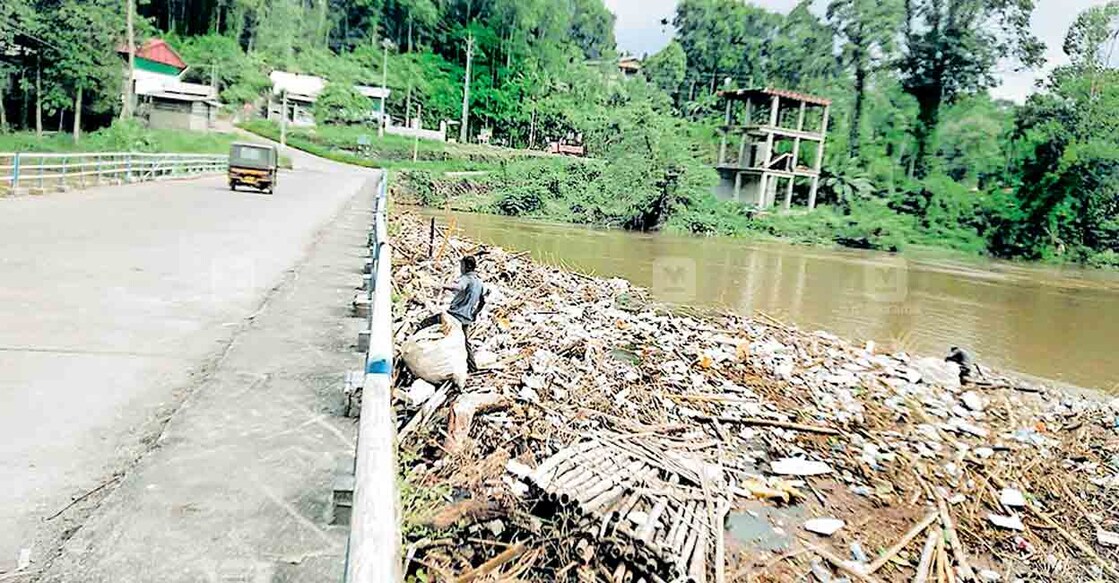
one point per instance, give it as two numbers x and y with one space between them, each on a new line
616 439
940 215
1038 320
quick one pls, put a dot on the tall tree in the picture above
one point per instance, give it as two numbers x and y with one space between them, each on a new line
666 68
801 54
80 38
868 29
951 48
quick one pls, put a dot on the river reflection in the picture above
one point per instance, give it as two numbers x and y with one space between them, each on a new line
1057 323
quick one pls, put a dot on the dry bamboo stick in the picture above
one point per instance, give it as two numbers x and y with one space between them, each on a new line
925 564
505 556
843 566
685 528
604 499
901 544
674 526
941 559
1076 542
954 540
646 530
697 567
721 546
689 547
768 423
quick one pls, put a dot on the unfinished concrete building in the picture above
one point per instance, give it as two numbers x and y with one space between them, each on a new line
772 145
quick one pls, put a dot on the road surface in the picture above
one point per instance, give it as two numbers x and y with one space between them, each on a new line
117 306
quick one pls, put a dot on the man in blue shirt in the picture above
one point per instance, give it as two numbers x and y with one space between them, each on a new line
469 299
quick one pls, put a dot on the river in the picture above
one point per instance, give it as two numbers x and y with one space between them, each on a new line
1059 323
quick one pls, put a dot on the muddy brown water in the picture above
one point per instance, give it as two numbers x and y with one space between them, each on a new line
1059 323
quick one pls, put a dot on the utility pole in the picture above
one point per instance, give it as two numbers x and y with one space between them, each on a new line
462 130
384 87
129 98
284 119
38 93
416 142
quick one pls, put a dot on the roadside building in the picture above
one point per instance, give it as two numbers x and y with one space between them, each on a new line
163 99
302 92
630 66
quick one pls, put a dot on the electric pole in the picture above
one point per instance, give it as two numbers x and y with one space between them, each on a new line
129 98
462 130
284 119
384 87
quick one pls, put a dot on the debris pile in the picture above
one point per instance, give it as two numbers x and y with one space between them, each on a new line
611 438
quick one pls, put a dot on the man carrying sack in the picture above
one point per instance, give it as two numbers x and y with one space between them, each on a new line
469 299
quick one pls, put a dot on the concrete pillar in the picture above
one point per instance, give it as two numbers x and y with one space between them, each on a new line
763 191
722 148
742 151
823 137
774 108
812 192
789 194
738 187
800 118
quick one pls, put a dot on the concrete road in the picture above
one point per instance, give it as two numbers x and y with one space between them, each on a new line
118 303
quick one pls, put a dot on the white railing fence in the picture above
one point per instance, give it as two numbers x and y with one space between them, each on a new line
373 554
28 171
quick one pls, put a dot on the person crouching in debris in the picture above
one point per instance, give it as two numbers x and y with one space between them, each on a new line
469 299
963 360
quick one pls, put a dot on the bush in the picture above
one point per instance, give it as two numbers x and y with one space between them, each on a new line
519 201
340 103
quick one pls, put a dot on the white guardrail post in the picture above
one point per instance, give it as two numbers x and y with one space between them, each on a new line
373 554
26 169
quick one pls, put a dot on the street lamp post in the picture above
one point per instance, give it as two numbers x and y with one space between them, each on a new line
387 44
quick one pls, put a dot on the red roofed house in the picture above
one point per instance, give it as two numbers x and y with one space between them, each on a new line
163 100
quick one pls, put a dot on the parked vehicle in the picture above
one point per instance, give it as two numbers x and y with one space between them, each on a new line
253 165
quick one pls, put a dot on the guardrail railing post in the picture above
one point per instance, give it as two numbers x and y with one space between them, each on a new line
15 171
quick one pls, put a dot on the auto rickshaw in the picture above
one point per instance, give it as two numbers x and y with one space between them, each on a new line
253 165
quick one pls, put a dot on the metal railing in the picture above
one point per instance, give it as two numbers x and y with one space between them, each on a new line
373 553
27 171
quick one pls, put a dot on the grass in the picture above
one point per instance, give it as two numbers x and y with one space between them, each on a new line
340 143
121 137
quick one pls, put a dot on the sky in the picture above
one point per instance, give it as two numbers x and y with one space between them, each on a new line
639 32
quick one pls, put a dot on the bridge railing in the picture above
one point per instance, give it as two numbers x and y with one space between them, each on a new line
28 171
373 553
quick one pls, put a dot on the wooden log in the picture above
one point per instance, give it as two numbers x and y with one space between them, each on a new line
901 544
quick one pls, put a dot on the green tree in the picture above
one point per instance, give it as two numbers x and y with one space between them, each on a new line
868 29
800 56
951 49
79 52
340 103
666 69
